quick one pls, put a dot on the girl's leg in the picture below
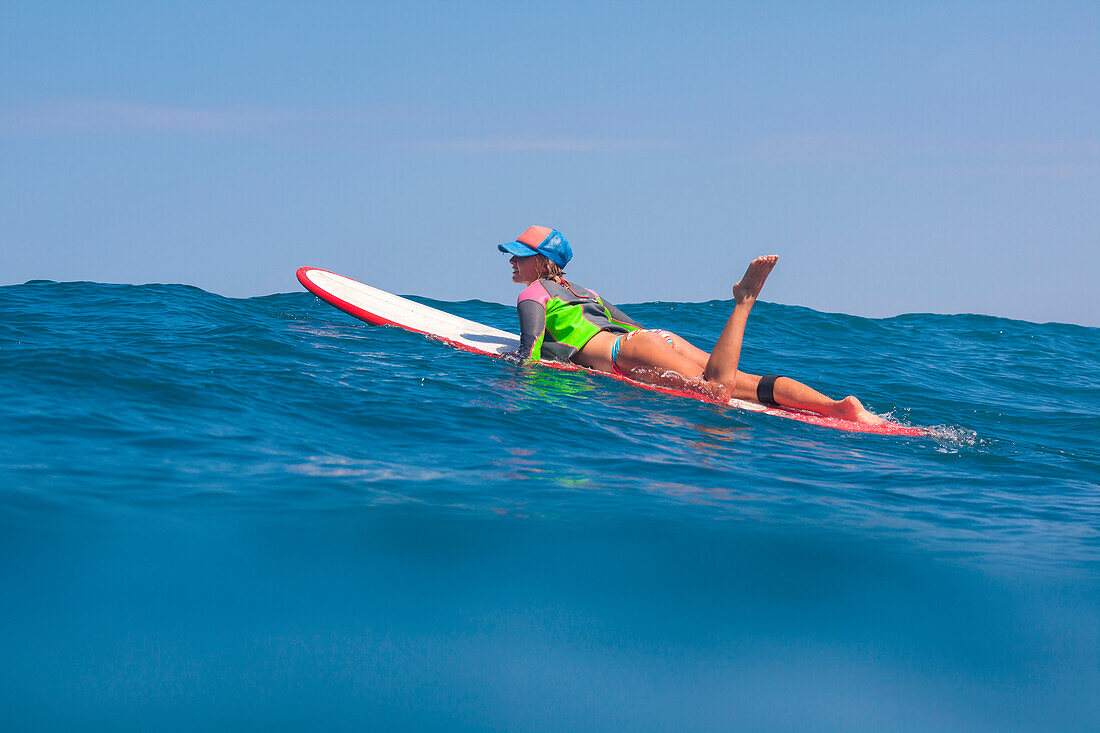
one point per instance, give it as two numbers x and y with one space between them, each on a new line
792 393
688 350
647 357
722 365
721 368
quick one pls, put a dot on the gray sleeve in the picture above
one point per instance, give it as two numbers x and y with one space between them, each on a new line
532 322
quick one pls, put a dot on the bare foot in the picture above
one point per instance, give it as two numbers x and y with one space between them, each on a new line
852 409
749 286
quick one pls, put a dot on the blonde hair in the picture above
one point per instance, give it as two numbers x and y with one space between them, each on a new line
548 270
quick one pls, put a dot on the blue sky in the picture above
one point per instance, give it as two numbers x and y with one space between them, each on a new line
899 157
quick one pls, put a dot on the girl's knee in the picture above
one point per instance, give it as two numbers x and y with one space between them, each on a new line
747 383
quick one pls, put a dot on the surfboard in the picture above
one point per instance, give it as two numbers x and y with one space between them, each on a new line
381 308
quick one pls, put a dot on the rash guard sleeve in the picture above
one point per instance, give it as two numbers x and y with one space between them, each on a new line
532 327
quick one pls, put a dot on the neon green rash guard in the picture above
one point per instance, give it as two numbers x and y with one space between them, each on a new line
557 319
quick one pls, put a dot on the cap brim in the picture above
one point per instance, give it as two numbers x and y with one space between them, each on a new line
516 248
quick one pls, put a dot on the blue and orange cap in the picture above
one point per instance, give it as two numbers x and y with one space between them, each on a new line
540 241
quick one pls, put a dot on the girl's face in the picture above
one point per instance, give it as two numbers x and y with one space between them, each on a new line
523 270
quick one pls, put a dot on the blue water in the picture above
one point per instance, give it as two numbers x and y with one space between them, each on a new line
261 513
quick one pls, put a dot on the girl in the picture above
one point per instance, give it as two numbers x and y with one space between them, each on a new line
560 321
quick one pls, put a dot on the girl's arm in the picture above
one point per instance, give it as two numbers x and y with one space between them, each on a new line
532 327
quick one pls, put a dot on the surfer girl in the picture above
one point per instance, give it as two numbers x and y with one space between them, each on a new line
561 321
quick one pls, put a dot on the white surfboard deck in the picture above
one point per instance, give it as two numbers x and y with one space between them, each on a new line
386 309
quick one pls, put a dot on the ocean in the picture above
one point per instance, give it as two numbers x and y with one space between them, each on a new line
257 514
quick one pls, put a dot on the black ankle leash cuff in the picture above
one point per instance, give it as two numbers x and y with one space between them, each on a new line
765 390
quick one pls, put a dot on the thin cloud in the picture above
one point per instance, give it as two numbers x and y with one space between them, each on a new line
1058 171
1048 158
541 144
108 115
809 149
403 128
